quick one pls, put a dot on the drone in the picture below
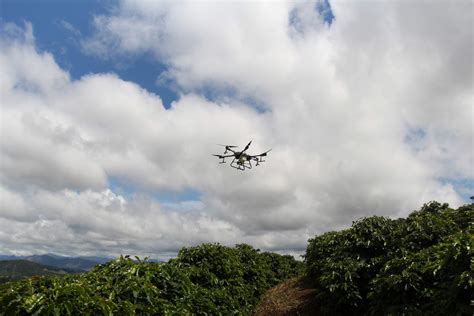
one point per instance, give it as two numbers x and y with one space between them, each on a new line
241 160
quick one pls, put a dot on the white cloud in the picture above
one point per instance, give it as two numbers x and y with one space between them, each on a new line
404 62
363 117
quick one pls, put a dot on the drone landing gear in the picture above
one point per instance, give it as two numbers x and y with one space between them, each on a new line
258 161
241 165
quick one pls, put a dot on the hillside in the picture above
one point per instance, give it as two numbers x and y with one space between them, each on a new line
209 278
73 264
19 269
76 264
419 265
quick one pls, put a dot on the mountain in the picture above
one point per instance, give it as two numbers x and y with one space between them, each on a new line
73 264
18 269
77 264
96 259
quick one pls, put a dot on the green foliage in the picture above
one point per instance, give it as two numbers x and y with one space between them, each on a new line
209 279
420 265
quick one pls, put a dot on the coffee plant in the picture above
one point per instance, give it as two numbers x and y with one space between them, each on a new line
209 279
421 265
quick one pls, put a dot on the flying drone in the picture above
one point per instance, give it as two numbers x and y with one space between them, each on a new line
240 159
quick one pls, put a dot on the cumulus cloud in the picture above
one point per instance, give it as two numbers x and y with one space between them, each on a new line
364 117
401 60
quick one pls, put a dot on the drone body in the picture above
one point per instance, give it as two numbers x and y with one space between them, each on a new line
241 160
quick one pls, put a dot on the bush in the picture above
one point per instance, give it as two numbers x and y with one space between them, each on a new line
208 279
419 265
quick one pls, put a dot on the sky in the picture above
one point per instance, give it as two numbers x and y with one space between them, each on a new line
110 111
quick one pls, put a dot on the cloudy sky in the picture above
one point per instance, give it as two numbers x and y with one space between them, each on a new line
110 111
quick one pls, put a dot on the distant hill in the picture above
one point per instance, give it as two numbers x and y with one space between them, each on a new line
18 269
77 264
208 279
72 264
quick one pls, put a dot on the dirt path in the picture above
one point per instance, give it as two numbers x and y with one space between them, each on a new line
292 297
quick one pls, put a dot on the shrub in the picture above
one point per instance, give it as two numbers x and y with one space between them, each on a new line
209 279
418 265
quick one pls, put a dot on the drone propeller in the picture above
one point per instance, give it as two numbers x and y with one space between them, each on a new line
228 146
263 154
223 156
247 147
258 158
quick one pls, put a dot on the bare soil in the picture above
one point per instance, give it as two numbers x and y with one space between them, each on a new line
292 297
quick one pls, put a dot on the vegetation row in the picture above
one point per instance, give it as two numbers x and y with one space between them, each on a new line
419 265
209 279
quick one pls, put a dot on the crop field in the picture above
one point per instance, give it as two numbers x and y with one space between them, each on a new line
419 265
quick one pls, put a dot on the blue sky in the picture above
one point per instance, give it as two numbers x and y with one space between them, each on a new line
52 19
60 25
111 149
